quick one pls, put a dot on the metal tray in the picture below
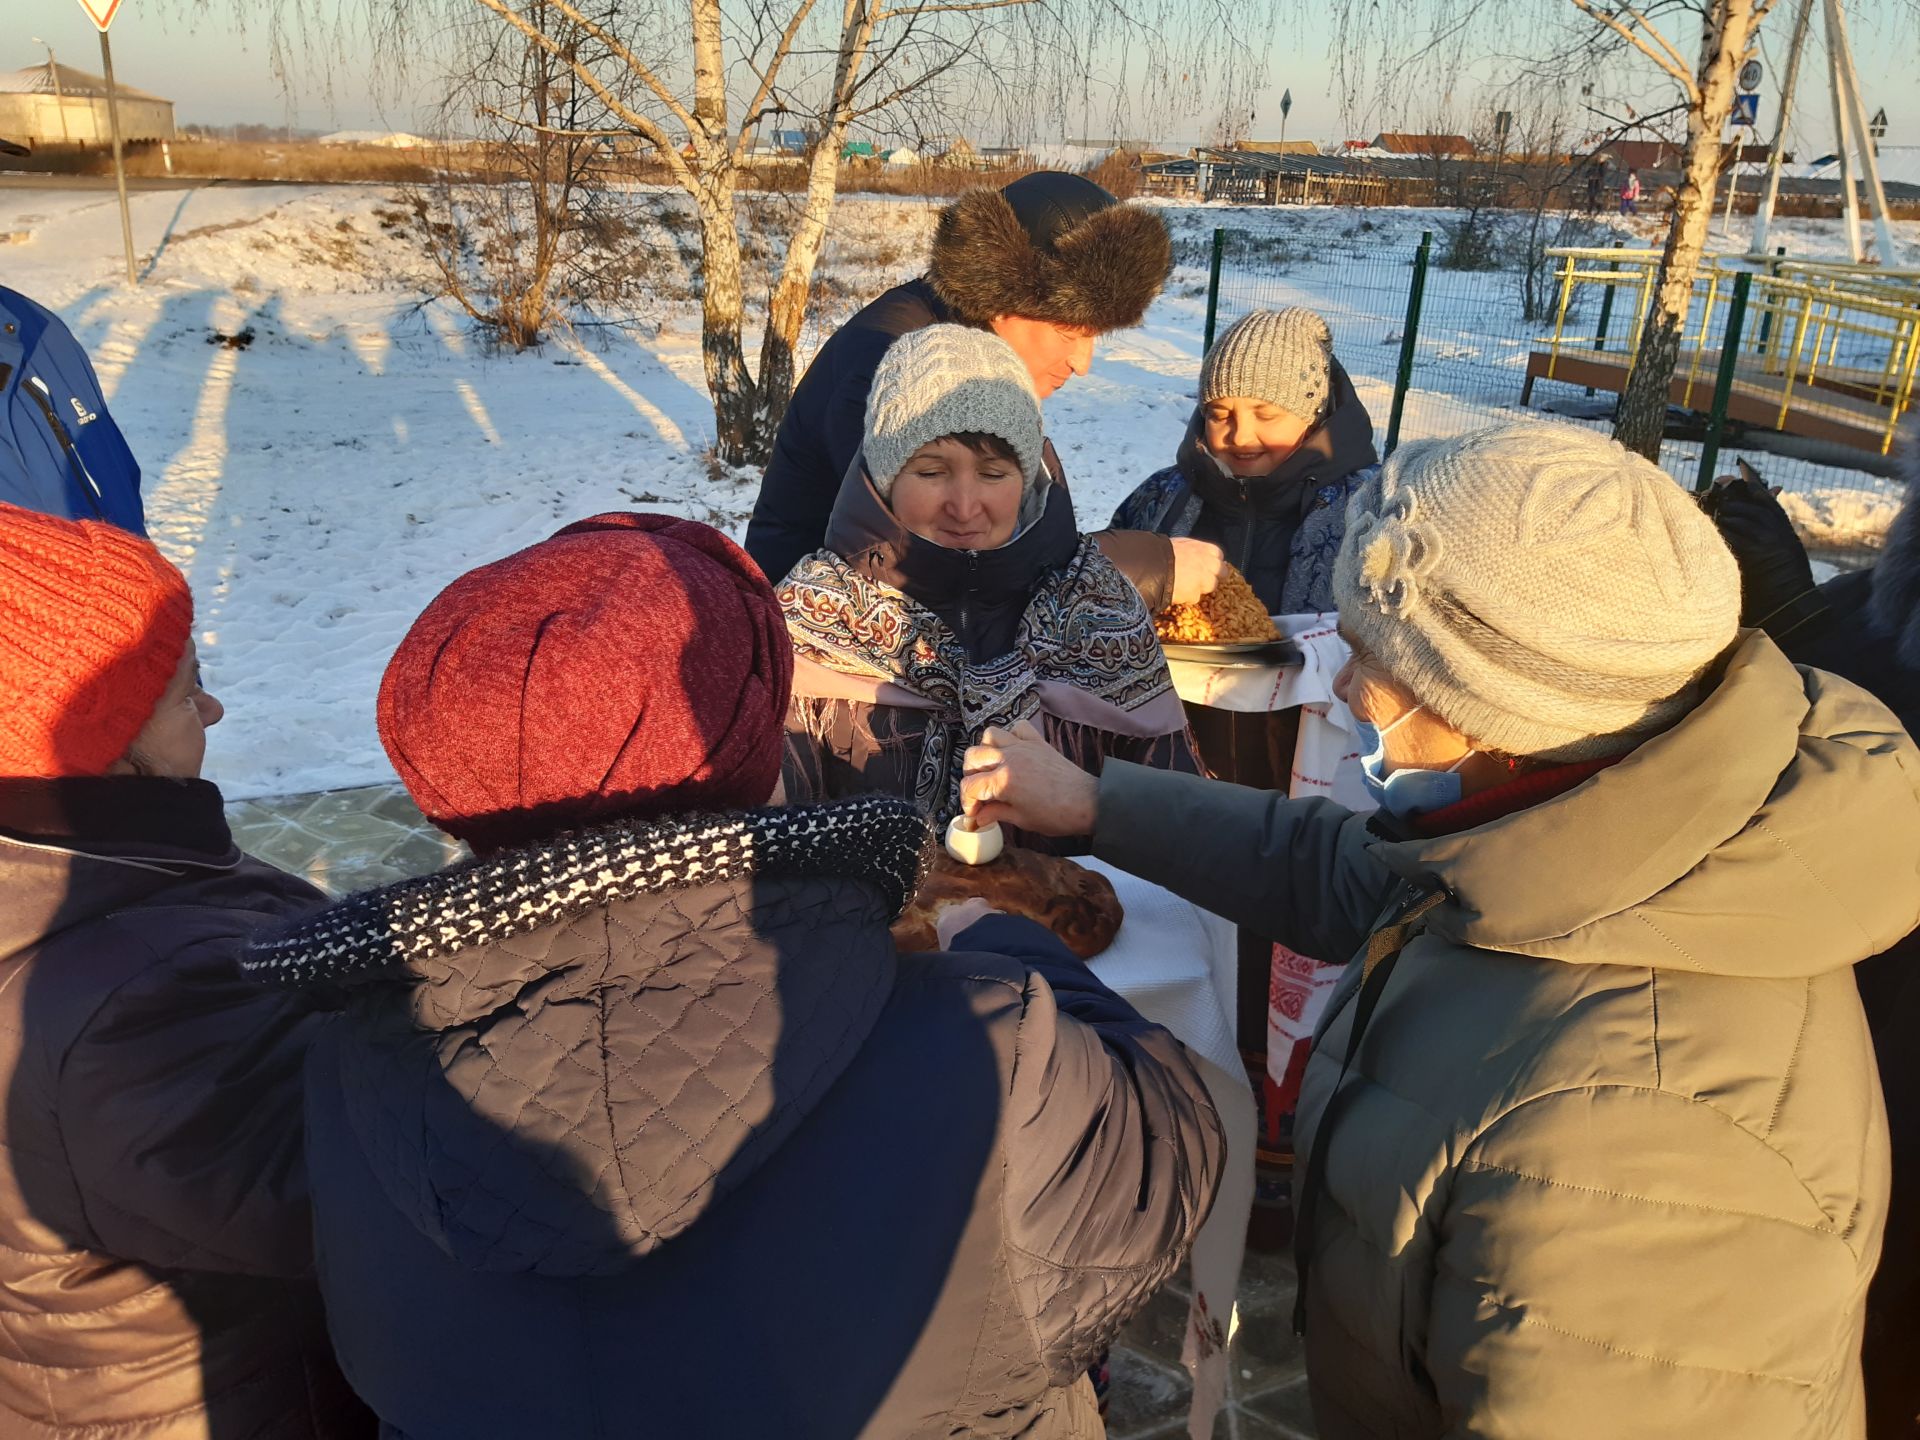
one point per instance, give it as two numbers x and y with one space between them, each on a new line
1235 652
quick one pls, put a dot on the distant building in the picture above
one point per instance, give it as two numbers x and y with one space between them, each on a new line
1645 154
1664 155
1176 177
1278 147
59 105
1429 147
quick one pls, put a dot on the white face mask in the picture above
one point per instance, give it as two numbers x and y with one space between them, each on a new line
1408 791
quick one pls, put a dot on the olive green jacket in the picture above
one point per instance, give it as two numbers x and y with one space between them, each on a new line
1610 1158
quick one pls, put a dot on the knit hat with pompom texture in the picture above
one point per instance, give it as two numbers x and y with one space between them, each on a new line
1542 589
949 380
93 622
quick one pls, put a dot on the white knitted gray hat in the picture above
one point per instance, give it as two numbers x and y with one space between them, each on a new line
949 380
1284 357
1542 589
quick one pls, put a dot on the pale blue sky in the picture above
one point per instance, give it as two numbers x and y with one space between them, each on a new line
218 73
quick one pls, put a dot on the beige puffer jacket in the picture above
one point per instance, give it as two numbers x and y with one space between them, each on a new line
1610 1157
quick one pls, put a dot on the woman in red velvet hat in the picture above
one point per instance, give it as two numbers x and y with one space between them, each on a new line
638 1124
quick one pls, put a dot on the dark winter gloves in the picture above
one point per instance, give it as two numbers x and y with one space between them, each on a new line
1777 592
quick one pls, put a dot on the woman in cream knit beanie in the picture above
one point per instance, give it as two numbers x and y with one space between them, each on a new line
1590 1142
1544 591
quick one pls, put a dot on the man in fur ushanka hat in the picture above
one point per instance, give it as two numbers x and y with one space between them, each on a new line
1049 263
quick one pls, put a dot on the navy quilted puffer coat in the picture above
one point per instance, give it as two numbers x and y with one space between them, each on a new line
155 1244
648 1130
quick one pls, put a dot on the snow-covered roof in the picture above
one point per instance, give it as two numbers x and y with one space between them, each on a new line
38 80
1899 164
1055 155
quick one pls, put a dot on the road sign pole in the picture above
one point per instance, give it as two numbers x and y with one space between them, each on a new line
119 161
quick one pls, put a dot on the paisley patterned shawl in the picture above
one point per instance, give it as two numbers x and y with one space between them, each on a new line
1085 628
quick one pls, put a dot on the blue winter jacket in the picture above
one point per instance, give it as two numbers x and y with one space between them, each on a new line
60 452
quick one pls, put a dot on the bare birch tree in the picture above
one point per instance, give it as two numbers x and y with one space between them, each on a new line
1387 44
696 82
1727 32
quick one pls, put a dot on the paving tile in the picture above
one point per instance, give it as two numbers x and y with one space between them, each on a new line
1267 1284
343 840
1146 1396
1286 1408
245 812
285 845
323 805
347 877
1160 1330
1249 1426
418 854
350 828
393 803
1265 1353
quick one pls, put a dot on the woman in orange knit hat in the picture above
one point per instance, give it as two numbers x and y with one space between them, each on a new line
154 1226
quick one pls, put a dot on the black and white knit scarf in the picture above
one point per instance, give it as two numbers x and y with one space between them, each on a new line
885 841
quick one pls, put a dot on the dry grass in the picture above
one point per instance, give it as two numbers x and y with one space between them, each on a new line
300 161
308 161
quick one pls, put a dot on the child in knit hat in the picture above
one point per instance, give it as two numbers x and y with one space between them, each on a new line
956 591
1277 443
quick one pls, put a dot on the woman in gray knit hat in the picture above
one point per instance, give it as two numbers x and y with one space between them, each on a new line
956 594
1277 443
1592 1141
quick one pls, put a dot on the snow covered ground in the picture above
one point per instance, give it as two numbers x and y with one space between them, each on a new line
323 452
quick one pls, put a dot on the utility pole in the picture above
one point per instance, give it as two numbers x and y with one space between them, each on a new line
1763 215
1847 96
1843 145
1850 128
119 162
101 12
59 95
